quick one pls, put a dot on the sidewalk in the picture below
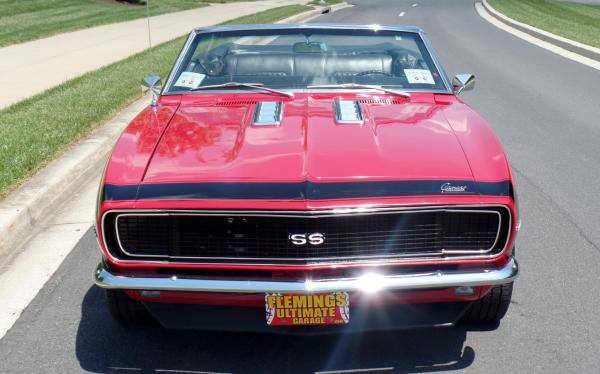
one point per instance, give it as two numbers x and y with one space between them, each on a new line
45 218
29 68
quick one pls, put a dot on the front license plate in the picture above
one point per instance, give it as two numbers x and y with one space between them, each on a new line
332 308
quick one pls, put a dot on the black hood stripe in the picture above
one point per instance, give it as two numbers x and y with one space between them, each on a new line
303 190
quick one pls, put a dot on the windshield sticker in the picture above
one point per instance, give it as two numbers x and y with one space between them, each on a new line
189 79
419 76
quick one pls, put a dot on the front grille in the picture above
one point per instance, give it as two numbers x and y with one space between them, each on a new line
265 237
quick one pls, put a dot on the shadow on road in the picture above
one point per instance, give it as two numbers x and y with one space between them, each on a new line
104 346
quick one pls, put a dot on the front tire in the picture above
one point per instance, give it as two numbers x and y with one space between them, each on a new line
125 309
492 307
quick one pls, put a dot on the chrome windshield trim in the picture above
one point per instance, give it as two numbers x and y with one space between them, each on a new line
369 282
177 63
303 26
456 254
308 91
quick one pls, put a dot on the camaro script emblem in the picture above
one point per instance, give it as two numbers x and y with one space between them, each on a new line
449 188
313 239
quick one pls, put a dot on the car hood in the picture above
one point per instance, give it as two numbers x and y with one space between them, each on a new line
399 140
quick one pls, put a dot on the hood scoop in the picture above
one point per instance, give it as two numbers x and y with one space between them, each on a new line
348 112
267 113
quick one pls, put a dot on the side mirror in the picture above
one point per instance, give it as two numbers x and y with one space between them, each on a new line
152 83
463 82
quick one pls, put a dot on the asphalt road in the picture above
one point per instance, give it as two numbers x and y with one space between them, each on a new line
545 109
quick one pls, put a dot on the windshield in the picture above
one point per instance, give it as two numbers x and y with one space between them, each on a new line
298 58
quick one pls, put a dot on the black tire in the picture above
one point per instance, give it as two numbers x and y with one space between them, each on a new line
125 309
492 307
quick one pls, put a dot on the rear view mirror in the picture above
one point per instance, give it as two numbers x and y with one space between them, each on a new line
309 47
463 82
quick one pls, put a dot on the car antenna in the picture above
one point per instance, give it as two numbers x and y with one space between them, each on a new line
148 23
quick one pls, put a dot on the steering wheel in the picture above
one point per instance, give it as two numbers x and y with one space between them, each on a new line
213 67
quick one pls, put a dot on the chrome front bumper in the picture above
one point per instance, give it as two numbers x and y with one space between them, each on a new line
368 283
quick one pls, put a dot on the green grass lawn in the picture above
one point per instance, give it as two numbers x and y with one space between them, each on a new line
34 131
580 22
23 20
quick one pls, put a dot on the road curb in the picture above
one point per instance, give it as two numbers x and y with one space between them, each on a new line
559 41
318 11
40 196
23 209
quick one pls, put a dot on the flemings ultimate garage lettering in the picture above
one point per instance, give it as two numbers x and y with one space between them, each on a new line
308 309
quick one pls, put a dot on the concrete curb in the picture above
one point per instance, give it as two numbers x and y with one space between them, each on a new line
40 196
319 10
23 209
559 41
303 16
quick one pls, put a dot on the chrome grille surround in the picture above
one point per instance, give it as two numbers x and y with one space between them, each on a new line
504 225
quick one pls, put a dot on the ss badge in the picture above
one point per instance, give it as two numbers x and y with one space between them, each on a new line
302 239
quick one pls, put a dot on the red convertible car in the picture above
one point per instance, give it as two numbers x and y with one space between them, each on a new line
305 179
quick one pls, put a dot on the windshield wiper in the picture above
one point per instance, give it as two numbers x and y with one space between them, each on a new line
259 86
362 86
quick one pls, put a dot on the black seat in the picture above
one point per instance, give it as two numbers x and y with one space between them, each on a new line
351 65
308 64
259 64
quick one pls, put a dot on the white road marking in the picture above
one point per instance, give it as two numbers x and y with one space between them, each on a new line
124 369
23 277
187 371
401 14
350 371
533 40
415 4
